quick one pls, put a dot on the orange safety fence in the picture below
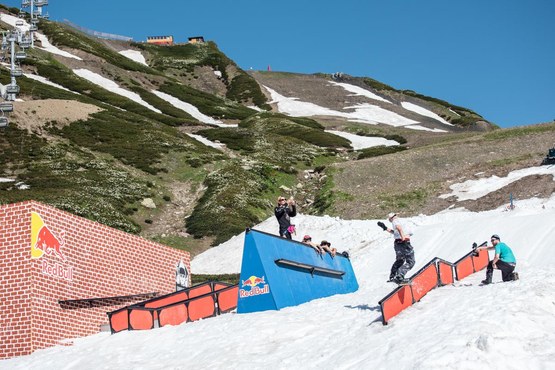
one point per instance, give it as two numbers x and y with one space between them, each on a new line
481 260
424 280
141 318
227 299
446 275
198 302
396 302
464 267
437 272
119 320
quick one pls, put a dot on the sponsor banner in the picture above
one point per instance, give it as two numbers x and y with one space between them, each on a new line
253 283
45 242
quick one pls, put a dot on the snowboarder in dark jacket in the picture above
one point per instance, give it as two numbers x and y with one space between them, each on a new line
284 211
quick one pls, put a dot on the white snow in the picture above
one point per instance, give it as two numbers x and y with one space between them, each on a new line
364 113
134 55
191 109
258 109
46 45
463 326
452 111
360 142
423 112
474 189
110 85
5 179
359 91
422 128
47 82
206 142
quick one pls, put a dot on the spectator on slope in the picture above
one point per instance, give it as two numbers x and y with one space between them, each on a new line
504 260
326 246
284 211
404 252
307 239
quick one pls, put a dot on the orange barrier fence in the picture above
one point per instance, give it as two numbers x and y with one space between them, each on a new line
198 302
435 273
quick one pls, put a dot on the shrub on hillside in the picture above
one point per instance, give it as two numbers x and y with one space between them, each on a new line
379 150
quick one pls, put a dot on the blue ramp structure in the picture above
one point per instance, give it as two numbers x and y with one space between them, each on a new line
277 272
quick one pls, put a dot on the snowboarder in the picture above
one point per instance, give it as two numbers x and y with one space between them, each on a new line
404 252
504 260
284 211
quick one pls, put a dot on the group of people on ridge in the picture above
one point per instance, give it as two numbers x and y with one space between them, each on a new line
503 260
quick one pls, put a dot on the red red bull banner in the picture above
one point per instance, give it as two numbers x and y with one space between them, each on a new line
46 242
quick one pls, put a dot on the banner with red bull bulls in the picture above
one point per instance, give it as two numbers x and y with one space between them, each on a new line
277 272
45 242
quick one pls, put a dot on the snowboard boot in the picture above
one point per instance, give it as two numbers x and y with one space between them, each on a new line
486 282
515 276
399 279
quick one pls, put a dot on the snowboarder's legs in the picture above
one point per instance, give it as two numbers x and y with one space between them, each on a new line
399 261
404 259
506 270
489 273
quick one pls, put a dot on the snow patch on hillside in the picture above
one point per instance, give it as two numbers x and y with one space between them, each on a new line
206 142
190 109
134 55
361 142
423 112
47 82
110 85
474 189
359 91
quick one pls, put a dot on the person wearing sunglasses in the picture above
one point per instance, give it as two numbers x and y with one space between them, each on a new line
284 210
504 260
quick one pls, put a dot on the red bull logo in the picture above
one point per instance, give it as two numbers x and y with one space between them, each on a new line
253 282
46 242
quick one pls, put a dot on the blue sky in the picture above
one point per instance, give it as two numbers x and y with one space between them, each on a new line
496 57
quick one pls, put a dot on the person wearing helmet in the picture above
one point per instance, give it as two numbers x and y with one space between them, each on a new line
404 252
504 260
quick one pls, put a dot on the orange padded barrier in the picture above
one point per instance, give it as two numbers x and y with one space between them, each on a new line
445 273
140 319
481 261
168 299
464 267
119 321
200 290
396 302
219 286
191 304
201 308
227 300
424 281
173 315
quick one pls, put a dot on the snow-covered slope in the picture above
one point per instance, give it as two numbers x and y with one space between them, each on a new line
463 326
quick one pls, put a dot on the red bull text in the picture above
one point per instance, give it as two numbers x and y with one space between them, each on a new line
45 242
253 282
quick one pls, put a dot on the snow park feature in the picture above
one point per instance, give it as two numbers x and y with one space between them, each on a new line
201 301
435 273
277 273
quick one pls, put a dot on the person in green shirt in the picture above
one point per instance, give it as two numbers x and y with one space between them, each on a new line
504 260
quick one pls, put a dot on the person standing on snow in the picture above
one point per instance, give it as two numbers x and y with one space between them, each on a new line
284 211
504 260
404 252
